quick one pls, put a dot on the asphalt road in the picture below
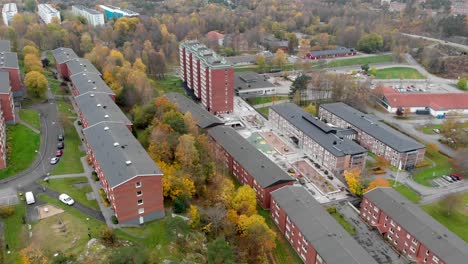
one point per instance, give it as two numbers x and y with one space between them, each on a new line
456 45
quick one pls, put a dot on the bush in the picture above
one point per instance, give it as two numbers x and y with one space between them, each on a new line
104 197
180 206
331 210
6 211
115 220
108 237
423 163
95 176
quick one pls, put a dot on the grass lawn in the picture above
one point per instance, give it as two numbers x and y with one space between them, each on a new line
23 142
360 61
31 117
428 129
15 234
67 185
167 85
443 166
265 99
344 223
457 222
406 191
283 253
54 84
398 73
70 160
65 107
264 111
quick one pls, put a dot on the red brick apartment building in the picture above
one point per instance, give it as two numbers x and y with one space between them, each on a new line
374 135
84 83
411 230
61 57
312 231
248 164
330 147
130 179
6 98
208 75
9 63
78 65
2 141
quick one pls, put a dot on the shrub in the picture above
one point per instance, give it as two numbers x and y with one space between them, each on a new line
423 163
331 210
6 211
104 197
180 206
108 236
114 220
95 176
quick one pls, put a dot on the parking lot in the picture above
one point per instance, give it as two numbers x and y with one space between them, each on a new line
445 180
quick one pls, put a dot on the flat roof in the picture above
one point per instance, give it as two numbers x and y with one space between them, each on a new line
119 154
9 8
62 55
5 45
207 56
250 80
326 136
372 126
446 245
336 51
120 10
86 9
242 59
9 60
5 86
90 82
99 107
80 65
262 169
203 118
331 241
48 8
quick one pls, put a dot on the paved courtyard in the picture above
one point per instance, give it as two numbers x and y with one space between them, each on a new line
277 143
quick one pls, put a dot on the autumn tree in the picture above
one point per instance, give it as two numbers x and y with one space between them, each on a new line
186 153
451 202
377 182
220 252
194 216
381 162
370 43
279 59
176 183
353 179
432 148
29 49
36 84
31 255
244 201
260 61
32 63
258 238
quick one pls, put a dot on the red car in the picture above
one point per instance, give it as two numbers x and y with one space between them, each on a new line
456 175
59 153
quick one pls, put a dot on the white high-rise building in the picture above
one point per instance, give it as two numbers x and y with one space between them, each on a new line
47 13
8 12
93 17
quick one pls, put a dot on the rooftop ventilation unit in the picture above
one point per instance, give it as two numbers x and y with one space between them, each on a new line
128 162
116 144
91 95
106 116
98 105
106 128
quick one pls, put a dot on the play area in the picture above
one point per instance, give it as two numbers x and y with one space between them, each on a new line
48 210
277 143
261 144
313 176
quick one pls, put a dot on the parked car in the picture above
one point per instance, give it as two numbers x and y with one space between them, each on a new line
60 145
458 176
60 137
66 199
54 160
302 181
29 198
453 178
59 153
436 130
447 178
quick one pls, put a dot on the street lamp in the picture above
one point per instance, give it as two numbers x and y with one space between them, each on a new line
41 160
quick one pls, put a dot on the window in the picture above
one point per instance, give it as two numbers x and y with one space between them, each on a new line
391 230
427 252
139 193
398 228
413 249
140 202
425 260
386 218
408 236
141 210
392 223
385 225
435 259
415 241
138 184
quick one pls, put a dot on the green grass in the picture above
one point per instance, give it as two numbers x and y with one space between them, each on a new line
54 84
70 161
15 233
360 61
23 143
283 252
344 223
443 166
264 99
254 68
31 117
167 85
66 185
398 73
264 111
457 222
406 191
428 129
65 108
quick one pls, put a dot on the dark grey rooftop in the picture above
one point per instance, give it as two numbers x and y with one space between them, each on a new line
372 126
441 241
63 55
9 60
203 118
334 244
324 135
250 80
262 169
79 65
5 45
242 59
99 107
119 154
5 82
90 82
331 52
86 9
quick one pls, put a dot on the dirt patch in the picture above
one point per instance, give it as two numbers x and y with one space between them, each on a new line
277 143
48 210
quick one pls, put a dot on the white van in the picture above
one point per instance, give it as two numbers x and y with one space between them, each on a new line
29 198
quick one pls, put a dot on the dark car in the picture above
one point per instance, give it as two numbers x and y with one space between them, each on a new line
60 145
60 137
453 178
59 153
456 175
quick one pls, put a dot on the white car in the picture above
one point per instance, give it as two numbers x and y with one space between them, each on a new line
54 160
64 198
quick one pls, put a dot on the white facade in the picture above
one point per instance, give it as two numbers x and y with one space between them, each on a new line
93 17
8 12
47 13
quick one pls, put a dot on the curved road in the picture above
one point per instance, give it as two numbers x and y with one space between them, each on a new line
455 45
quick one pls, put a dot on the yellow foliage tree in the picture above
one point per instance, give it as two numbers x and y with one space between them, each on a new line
139 65
280 58
353 179
32 63
259 238
244 201
377 182
175 183
30 49
36 84
194 216
186 153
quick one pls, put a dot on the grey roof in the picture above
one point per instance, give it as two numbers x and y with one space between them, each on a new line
271 40
5 82
372 126
334 244
79 65
331 52
250 80
63 55
242 59
114 147
436 237
86 9
320 132
5 45
90 82
262 169
9 60
99 107
203 118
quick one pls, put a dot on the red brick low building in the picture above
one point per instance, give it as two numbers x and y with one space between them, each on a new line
61 57
6 98
331 53
130 179
312 231
248 164
411 230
